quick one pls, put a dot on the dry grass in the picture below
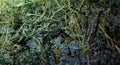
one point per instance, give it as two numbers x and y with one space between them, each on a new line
86 21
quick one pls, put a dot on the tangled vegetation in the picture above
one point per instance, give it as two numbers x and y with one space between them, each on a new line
59 32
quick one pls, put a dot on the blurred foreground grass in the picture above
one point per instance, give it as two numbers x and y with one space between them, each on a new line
93 24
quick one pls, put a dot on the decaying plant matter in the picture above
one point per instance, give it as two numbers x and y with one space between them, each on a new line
60 32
